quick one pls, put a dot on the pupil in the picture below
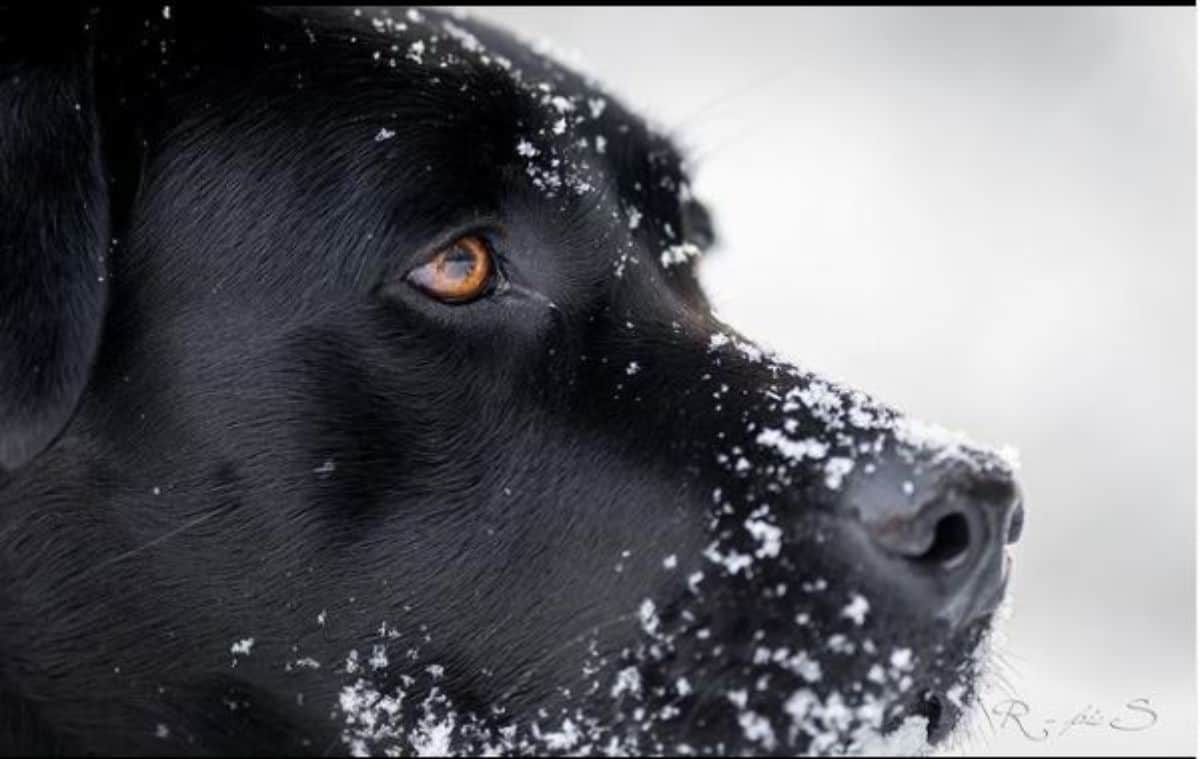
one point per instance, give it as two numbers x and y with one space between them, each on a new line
458 264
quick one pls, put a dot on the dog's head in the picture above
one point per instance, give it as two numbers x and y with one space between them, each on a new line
359 394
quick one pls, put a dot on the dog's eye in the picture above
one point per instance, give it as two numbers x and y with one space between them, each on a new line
460 272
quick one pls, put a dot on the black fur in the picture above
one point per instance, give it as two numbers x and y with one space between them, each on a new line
54 224
281 440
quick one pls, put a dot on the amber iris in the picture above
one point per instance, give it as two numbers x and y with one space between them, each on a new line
457 273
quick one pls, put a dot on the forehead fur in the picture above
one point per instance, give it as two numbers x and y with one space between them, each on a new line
514 104
410 122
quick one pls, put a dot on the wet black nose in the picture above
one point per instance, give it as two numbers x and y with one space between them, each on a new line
936 534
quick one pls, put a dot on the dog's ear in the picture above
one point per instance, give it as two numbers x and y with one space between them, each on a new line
54 230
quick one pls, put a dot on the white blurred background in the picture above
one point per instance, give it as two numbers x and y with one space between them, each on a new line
985 217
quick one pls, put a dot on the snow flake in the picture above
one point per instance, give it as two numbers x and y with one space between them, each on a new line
857 609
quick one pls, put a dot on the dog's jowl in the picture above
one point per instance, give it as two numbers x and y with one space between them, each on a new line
358 395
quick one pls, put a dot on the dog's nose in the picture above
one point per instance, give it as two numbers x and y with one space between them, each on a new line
936 535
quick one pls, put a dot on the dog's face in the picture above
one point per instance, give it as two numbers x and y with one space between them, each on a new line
409 428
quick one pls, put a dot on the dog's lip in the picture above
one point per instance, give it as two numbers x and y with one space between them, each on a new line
940 714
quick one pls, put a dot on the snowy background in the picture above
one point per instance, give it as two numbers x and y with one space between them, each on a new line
986 218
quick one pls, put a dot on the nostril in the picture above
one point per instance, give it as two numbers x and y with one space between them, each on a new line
951 539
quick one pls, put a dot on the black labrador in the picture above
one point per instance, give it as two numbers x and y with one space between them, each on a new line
358 394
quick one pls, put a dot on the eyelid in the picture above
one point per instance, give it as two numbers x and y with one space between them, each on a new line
489 231
486 228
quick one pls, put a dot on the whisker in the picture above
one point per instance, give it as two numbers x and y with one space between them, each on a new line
978 703
696 154
705 155
1002 666
149 544
766 79
1009 659
1005 684
529 673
